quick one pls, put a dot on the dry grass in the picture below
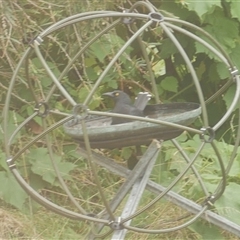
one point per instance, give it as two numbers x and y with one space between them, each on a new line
12 225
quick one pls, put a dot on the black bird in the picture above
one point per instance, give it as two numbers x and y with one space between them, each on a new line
123 105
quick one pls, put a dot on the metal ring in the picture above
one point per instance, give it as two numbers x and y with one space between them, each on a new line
156 17
42 109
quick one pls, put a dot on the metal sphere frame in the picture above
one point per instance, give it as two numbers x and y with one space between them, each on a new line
120 224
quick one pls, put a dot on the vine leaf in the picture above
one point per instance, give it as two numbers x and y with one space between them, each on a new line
227 205
212 232
11 192
235 6
202 7
170 84
228 96
42 165
223 29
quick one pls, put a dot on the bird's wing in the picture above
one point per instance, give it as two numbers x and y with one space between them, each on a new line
127 109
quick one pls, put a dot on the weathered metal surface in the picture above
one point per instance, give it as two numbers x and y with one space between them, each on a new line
104 135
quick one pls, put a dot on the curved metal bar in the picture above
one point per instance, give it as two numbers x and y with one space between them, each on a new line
145 119
222 185
206 34
69 117
60 179
236 146
87 17
142 4
132 177
91 163
8 97
192 71
170 186
83 49
19 127
232 106
140 230
220 91
198 39
34 140
52 76
51 206
70 19
144 52
171 196
28 77
198 176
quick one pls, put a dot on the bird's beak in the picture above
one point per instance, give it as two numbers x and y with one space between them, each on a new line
108 94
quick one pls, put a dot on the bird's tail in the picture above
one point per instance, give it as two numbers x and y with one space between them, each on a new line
142 100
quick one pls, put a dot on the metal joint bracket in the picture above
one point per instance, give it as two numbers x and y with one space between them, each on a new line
38 40
116 225
10 163
207 135
234 71
42 109
209 201
156 17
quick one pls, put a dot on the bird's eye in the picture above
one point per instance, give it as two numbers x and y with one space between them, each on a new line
116 94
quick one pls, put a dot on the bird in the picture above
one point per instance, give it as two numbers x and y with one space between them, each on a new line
123 105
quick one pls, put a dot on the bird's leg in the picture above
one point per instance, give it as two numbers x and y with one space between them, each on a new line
133 159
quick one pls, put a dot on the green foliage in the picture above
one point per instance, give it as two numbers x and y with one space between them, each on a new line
202 8
205 231
42 166
228 205
171 164
11 192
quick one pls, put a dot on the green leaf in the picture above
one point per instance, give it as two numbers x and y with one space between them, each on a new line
14 119
224 29
93 72
235 6
206 231
202 7
167 49
228 205
3 163
201 69
235 55
109 43
170 84
10 191
228 96
126 152
159 68
235 169
222 70
99 50
42 165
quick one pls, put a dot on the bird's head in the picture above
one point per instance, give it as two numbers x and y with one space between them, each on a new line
118 96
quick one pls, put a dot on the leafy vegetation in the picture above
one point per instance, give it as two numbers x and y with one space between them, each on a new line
22 20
